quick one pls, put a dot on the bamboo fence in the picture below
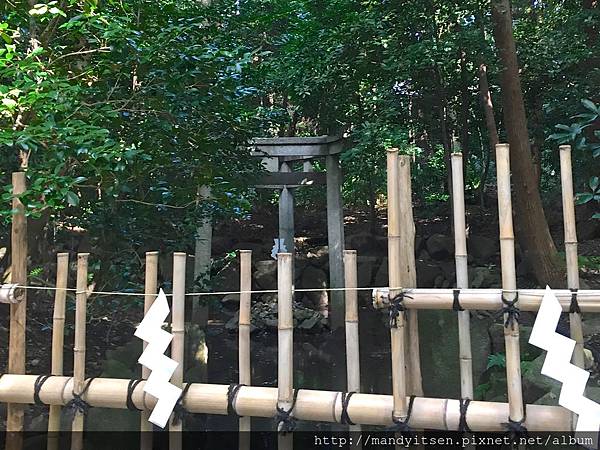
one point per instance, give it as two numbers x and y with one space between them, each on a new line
284 402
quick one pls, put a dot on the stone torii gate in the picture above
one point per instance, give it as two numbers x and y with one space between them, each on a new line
281 156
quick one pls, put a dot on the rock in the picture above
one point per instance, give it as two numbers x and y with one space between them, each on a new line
230 303
231 298
449 271
549 398
440 246
366 267
482 248
591 324
588 359
593 393
427 273
265 274
365 244
482 277
314 278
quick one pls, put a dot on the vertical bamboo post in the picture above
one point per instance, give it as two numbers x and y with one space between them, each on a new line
150 290
566 178
58 339
408 272
79 347
17 343
177 328
462 276
352 340
509 282
285 335
244 339
397 335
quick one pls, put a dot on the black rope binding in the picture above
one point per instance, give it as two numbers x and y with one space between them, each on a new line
512 311
78 404
397 307
515 428
455 303
285 418
37 386
574 306
179 412
130 389
462 423
345 417
402 426
231 393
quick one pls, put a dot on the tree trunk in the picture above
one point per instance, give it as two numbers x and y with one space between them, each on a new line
490 123
465 108
534 235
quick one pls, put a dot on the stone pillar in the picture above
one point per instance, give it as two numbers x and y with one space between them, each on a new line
202 256
335 235
286 215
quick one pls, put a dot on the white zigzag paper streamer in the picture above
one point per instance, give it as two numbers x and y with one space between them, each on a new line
557 364
154 358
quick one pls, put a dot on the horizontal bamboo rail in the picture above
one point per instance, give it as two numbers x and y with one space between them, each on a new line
311 405
486 299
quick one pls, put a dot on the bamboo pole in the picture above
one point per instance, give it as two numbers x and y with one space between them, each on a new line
79 347
18 311
462 276
509 283
285 355
245 375
58 339
311 405
408 272
150 289
352 337
177 344
487 299
397 333
566 178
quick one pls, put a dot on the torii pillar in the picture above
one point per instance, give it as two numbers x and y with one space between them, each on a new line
280 157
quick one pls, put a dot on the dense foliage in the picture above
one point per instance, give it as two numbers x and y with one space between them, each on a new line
121 110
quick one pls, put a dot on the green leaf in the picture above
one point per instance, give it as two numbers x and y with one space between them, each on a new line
594 182
72 198
584 198
588 104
